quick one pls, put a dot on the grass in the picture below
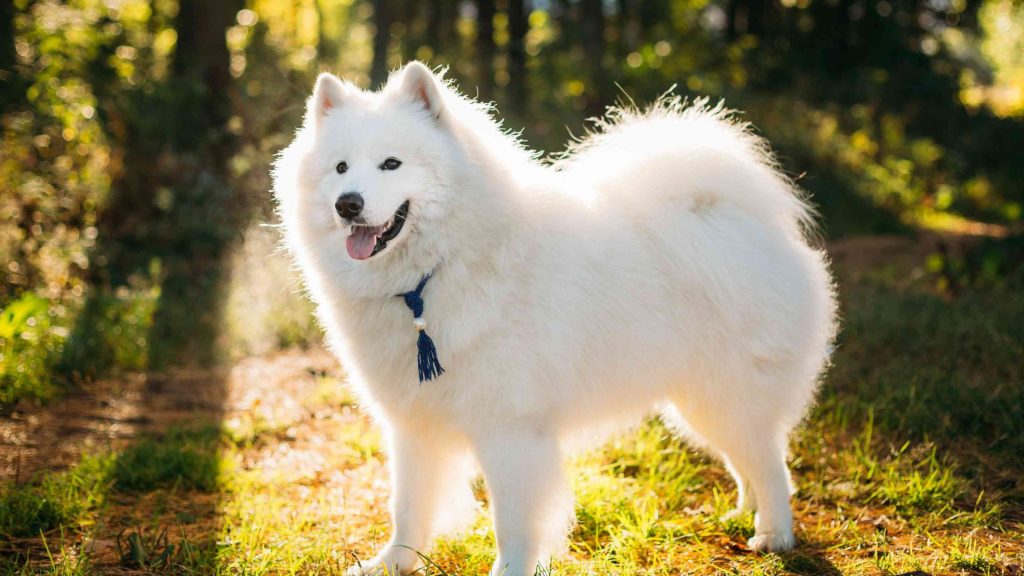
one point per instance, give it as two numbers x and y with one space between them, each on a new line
911 460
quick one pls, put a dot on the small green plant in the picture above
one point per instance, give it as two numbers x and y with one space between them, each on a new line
139 550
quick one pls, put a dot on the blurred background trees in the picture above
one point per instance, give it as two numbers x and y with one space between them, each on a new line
137 135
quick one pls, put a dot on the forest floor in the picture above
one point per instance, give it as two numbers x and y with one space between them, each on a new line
911 461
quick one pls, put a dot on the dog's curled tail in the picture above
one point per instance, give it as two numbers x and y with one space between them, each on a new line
691 152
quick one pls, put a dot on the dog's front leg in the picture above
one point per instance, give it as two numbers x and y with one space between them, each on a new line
530 498
428 479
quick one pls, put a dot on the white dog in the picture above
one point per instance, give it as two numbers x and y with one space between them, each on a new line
661 264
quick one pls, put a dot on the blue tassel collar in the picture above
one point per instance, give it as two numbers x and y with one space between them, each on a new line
426 358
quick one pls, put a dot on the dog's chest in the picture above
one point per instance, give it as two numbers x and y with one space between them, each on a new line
381 338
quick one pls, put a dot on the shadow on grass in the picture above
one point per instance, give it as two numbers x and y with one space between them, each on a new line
808 560
141 360
151 398
933 384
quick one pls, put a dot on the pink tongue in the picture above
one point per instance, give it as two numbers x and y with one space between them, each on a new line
362 241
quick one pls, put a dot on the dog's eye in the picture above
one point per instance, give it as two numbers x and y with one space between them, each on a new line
391 164
342 167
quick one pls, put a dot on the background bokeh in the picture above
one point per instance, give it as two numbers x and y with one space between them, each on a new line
135 221
164 404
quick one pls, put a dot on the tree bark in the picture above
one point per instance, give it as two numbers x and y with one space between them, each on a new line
382 19
326 47
11 85
841 43
202 54
439 25
628 33
485 46
732 13
594 46
8 56
652 12
757 13
517 28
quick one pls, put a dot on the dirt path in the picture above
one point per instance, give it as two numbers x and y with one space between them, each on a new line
106 414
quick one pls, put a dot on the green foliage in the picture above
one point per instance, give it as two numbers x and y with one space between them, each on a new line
991 264
28 344
111 332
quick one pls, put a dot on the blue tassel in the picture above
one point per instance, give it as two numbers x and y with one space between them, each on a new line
429 365
426 360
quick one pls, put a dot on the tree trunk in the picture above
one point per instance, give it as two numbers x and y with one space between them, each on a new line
202 54
485 46
10 84
188 155
594 46
652 13
517 28
439 26
382 18
732 15
841 42
326 46
8 57
757 13
628 25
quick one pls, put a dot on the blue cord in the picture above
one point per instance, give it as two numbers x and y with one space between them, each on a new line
427 362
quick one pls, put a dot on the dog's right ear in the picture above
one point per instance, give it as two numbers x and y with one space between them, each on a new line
419 83
328 94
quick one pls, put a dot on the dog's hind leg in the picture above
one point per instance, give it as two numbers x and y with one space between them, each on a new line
764 464
753 448
430 483
746 500
530 497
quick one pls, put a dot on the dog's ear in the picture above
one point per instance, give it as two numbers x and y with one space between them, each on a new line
328 94
419 83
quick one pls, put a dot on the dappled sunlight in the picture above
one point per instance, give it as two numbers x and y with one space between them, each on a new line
265 308
166 405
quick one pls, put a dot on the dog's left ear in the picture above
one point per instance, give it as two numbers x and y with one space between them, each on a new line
418 82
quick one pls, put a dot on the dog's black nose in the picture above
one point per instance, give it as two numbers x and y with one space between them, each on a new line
349 205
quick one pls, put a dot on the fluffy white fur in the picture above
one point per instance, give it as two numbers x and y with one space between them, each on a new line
661 264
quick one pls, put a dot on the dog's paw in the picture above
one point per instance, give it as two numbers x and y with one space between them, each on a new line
391 561
772 542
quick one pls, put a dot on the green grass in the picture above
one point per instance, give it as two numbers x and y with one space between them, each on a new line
65 499
39 515
186 459
911 460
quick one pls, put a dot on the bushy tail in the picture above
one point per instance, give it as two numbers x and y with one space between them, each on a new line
693 152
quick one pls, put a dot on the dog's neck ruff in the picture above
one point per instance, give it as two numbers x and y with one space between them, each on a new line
427 362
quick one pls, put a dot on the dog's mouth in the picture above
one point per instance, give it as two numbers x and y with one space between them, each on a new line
367 241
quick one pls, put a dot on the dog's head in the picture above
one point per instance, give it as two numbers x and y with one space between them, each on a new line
368 176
